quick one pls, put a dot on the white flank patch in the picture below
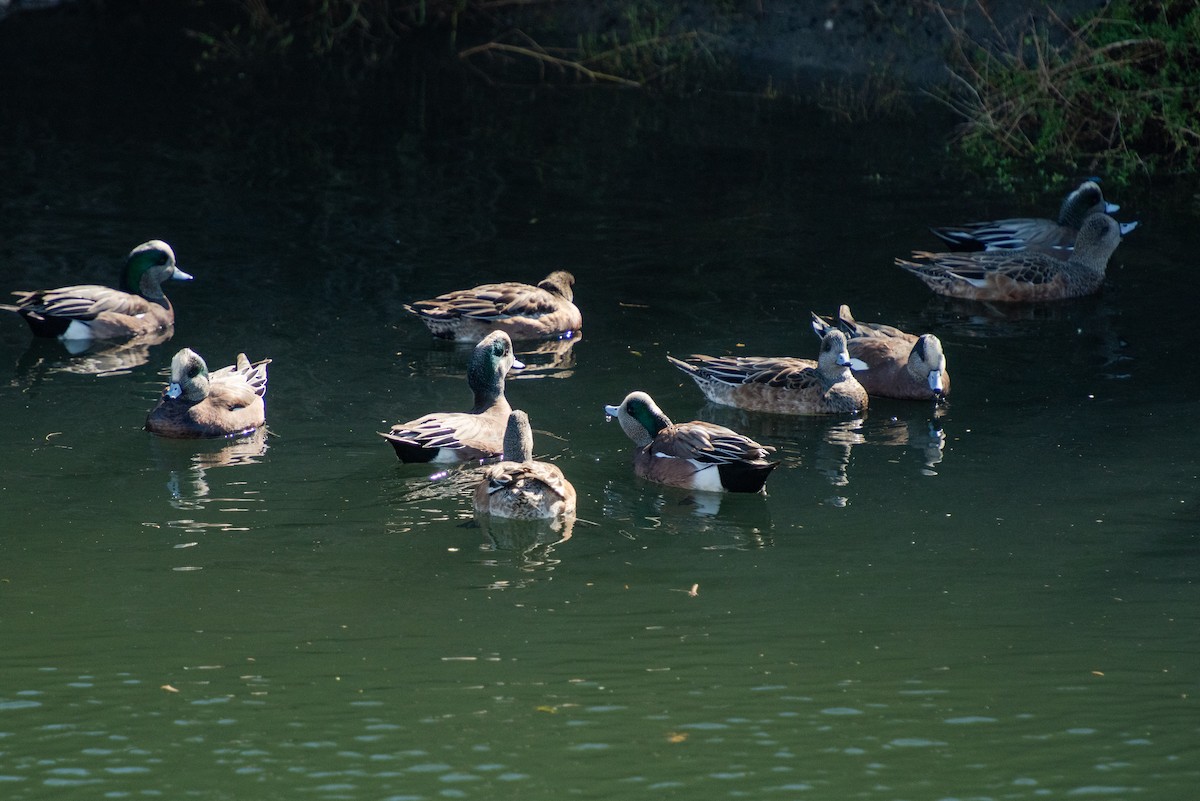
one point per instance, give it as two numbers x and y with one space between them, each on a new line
707 477
77 330
445 455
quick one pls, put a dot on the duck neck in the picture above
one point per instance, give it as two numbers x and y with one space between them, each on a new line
145 285
490 396
518 443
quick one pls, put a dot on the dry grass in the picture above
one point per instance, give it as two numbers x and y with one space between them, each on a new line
1115 94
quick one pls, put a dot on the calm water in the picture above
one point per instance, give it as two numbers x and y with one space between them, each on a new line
996 599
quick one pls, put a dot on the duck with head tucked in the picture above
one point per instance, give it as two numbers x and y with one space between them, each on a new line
1018 233
88 312
464 436
782 384
225 403
522 311
695 455
1022 275
899 364
519 487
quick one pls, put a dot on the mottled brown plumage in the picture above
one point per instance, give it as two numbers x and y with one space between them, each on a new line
520 487
782 384
522 311
1022 275
899 364
225 403
695 455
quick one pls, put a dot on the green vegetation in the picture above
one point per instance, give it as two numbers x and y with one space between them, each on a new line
1117 94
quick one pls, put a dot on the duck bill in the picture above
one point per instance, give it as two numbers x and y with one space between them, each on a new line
935 381
1111 208
612 411
179 275
174 390
516 365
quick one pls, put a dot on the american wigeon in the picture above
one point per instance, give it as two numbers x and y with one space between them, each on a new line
522 311
225 403
464 436
1022 275
782 384
1017 233
137 307
695 455
519 487
899 364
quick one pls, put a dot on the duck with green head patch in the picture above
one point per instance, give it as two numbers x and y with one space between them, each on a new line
782 384
521 488
224 403
545 311
695 455
1055 236
899 364
88 312
464 436
1015 276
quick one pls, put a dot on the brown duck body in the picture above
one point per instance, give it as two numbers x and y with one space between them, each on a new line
1022 276
525 491
108 313
782 385
520 487
522 311
464 436
899 365
231 405
696 455
89 311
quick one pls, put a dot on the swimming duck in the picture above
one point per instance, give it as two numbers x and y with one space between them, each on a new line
464 436
695 455
899 364
519 487
225 403
1018 233
1029 275
545 311
85 312
782 384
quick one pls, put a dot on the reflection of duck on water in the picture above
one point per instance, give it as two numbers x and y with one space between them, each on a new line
187 467
44 357
531 541
554 358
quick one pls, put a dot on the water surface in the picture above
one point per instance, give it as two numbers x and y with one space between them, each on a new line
992 599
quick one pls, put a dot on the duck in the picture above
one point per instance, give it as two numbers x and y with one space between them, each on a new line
696 455
519 487
1018 233
782 384
89 312
523 311
899 365
1022 276
469 436
197 403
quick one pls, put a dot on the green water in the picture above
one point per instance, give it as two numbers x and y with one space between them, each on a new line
996 599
